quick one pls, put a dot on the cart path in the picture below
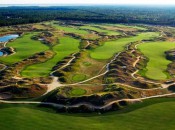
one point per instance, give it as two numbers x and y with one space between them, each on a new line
86 104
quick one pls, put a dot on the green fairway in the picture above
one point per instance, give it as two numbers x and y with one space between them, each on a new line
24 47
144 116
66 47
157 64
104 31
77 92
108 49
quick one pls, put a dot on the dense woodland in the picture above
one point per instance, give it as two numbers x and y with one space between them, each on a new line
112 14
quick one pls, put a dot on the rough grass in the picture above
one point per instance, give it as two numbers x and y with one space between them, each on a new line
66 47
77 92
108 49
104 31
79 77
153 114
157 64
24 47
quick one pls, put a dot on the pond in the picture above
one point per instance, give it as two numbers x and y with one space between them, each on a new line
1 53
6 38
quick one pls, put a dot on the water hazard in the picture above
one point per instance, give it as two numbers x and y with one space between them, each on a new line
7 38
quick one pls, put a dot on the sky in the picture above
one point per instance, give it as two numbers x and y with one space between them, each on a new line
133 2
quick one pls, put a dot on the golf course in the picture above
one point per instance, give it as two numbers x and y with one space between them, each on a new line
66 74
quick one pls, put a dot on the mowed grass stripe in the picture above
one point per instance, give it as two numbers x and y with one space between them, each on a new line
24 47
157 64
108 49
67 46
153 117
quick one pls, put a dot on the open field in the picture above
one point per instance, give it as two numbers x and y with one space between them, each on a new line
24 47
66 46
155 52
108 49
151 114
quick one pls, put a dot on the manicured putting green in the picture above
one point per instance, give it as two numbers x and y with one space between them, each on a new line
159 116
157 64
77 92
24 47
108 49
67 46
79 77
97 29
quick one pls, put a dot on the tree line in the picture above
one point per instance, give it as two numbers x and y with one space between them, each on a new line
104 14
